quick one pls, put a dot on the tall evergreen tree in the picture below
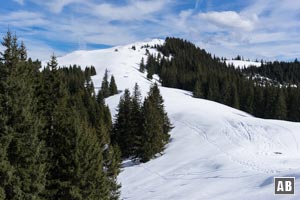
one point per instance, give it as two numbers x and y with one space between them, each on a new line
137 120
280 109
5 133
112 164
293 108
259 102
122 132
22 147
105 85
197 90
156 125
142 66
150 66
23 52
7 43
113 86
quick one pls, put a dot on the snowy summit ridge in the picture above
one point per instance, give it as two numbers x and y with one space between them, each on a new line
215 151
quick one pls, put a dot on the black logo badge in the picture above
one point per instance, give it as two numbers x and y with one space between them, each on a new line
284 185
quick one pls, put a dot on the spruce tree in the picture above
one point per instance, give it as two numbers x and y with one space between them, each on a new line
293 108
259 102
150 66
156 125
142 66
122 132
137 121
6 169
113 86
23 52
270 98
112 162
105 85
197 93
7 43
280 109
21 126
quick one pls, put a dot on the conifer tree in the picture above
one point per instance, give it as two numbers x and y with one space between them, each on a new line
280 109
23 154
113 86
112 164
52 64
7 43
259 102
105 85
150 66
270 98
249 98
234 102
142 66
23 52
5 133
15 50
137 121
197 90
293 108
122 132
156 125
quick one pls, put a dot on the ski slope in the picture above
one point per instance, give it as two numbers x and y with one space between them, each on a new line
215 152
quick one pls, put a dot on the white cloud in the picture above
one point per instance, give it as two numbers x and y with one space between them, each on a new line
228 20
56 6
21 2
22 19
135 10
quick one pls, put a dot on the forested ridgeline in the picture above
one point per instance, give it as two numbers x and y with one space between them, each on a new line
284 73
183 65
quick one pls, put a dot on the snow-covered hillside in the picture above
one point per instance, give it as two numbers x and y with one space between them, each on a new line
215 152
242 64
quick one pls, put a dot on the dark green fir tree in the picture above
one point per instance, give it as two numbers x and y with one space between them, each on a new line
113 86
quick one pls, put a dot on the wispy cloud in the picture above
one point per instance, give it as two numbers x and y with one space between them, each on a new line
134 10
19 1
228 20
23 19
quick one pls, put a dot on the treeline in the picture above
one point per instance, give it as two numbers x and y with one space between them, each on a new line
141 129
282 72
54 134
183 65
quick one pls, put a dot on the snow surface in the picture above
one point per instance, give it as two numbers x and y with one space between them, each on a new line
215 152
242 63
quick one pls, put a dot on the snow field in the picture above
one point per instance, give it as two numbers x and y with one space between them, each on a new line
215 152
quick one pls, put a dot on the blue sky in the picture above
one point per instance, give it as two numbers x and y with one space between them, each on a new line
256 29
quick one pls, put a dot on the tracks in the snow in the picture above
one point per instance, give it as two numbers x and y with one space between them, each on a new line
234 151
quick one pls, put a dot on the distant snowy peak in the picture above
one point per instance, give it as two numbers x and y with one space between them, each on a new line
72 57
242 63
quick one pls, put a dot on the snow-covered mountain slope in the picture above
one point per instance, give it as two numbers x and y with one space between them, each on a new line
215 152
242 64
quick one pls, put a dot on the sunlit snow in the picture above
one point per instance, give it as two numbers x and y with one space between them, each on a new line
215 152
